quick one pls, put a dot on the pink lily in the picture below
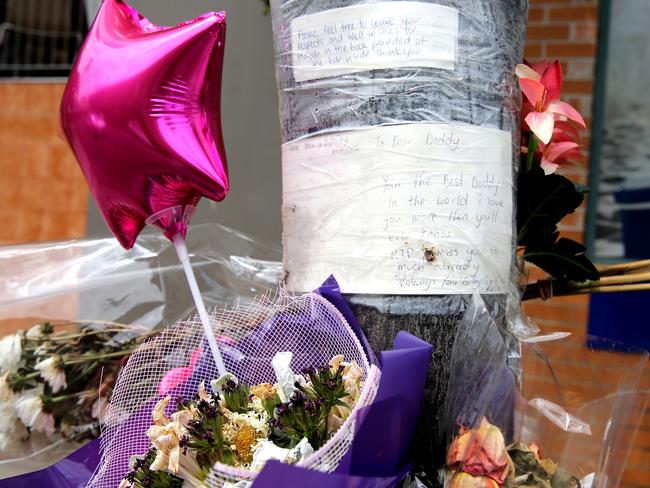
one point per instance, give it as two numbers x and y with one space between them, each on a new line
555 153
542 89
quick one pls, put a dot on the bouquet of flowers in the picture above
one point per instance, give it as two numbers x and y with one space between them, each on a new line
245 426
56 378
186 426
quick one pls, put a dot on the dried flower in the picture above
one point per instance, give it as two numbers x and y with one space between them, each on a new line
10 352
287 381
244 440
481 452
217 384
29 408
466 480
51 370
263 391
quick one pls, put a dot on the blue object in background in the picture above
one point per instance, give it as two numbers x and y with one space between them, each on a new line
621 317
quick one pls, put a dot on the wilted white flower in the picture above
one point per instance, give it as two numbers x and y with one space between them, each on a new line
265 451
29 408
11 429
217 385
281 363
34 333
165 435
8 418
52 372
10 352
302 450
6 393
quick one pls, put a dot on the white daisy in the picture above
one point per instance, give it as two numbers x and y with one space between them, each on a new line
10 352
52 372
34 333
11 429
29 408
6 393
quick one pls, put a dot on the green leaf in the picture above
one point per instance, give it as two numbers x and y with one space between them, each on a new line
562 259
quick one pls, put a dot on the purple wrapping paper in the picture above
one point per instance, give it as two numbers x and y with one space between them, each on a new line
72 472
378 457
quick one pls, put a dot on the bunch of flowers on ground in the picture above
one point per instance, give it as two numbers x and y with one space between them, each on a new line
246 426
58 383
479 458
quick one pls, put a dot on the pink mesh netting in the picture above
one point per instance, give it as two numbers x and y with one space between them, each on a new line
249 335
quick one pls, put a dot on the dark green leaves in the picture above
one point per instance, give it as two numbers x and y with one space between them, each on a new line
563 259
543 201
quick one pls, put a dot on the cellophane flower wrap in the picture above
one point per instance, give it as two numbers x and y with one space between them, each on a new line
568 421
95 281
250 336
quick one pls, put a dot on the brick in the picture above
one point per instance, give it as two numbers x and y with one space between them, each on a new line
532 52
571 49
578 86
573 13
536 14
546 32
584 31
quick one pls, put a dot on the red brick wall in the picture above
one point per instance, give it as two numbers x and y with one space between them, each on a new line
567 30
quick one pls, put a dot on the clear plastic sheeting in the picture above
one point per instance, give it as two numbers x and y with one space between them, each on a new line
96 280
400 129
578 400
99 280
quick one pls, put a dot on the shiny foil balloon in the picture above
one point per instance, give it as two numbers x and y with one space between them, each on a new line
141 111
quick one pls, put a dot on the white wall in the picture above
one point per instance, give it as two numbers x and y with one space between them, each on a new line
249 116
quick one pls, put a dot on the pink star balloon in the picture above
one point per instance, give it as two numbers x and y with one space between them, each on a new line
141 111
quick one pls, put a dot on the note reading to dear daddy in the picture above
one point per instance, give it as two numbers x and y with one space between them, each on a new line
373 36
403 209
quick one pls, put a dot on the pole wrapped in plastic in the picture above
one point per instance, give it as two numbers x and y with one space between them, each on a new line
400 130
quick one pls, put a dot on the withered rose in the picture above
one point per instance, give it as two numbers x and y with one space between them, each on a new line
481 452
465 480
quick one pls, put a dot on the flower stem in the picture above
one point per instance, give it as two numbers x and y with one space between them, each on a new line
62 398
85 359
533 142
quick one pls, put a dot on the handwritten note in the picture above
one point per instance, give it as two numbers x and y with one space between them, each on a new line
404 209
374 36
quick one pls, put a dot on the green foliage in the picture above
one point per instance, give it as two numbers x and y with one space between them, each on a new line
543 201
305 415
236 396
141 476
206 435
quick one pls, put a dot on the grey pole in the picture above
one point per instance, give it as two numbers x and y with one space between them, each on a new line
480 91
